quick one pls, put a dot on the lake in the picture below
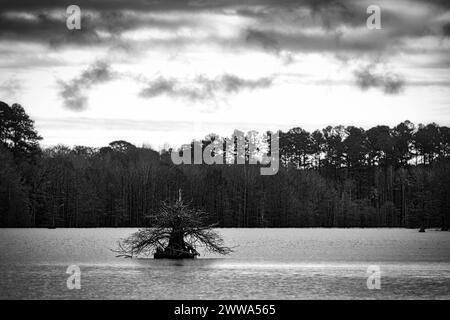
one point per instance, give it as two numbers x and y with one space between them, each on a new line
266 264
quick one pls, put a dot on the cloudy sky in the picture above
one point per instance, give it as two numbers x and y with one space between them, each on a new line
159 72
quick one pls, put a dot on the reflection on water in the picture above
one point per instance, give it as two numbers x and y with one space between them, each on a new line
267 264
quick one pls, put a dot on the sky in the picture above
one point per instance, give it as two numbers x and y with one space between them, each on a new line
160 73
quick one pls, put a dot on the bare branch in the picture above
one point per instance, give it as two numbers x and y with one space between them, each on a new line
177 230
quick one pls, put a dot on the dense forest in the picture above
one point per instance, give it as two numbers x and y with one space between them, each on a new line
335 177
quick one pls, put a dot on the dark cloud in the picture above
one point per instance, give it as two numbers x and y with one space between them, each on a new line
173 5
277 25
159 87
202 88
263 39
75 92
234 84
137 5
325 42
269 43
332 13
390 83
98 28
441 4
43 27
446 30
339 27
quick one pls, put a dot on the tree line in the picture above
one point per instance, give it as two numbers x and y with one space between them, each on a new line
335 177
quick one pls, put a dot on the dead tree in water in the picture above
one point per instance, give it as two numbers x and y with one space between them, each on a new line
176 233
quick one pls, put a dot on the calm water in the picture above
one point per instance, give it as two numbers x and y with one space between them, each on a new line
266 264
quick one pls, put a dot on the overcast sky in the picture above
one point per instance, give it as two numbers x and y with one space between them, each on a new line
158 72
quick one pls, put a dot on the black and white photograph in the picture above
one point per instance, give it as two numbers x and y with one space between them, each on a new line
238 152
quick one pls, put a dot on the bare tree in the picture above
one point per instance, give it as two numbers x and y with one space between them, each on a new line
177 232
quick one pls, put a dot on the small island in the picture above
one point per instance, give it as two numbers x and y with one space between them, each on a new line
176 232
